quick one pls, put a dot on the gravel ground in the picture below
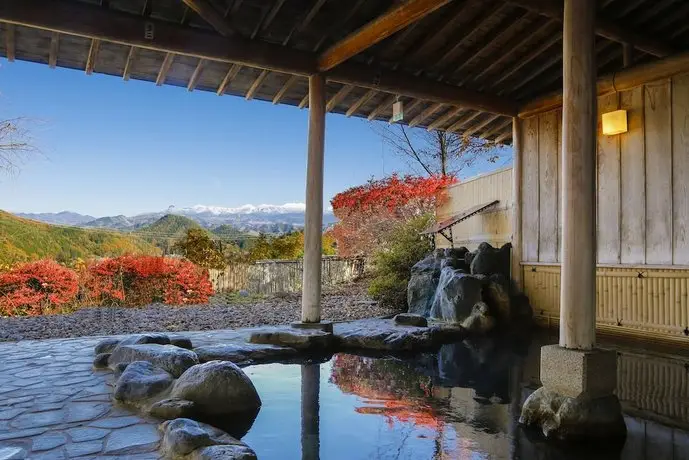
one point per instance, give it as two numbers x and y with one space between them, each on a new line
344 303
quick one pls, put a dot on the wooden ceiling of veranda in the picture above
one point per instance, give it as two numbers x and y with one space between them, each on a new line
459 65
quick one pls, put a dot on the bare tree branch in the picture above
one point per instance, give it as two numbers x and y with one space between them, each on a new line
435 152
16 144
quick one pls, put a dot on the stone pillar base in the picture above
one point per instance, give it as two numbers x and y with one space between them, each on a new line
576 401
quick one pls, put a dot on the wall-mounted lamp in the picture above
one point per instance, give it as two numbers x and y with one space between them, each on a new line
397 111
615 122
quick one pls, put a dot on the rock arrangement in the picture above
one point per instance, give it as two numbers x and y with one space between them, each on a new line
162 377
470 288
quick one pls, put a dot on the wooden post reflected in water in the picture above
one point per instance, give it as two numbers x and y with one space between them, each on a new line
310 389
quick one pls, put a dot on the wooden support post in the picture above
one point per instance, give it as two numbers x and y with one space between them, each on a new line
517 202
578 283
310 409
313 224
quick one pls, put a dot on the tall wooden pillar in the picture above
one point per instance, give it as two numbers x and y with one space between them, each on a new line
313 225
578 284
310 408
517 202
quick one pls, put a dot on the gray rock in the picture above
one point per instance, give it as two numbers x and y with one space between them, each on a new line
169 409
15 453
182 436
456 296
300 339
488 260
48 441
182 342
423 283
480 321
243 293
410 319
140 381
496 294
107 345
244 353
456 253
132 439
172 359
386 335
228 452
143 339
574 419
101 360
218 388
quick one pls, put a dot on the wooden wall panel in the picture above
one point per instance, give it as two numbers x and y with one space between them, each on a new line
680 169
657 122
548 186
530 190
632 178
608 185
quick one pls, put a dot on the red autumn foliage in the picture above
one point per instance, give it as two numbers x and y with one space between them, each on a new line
140 280
369 212
36 287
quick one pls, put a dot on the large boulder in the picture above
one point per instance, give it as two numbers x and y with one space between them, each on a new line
187 439
170 358
299 339
456 295
141 381
480 321
218 388
225 452
423 283
410 319
386 335
488 260
496 294
169 409
244 353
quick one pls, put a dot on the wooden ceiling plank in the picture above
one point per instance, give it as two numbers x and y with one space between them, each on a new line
496 130
288 84
361 101
337 98
164 69
256 85
524 60
503 137
270 17
229 76
194 80
420 118
350 14
209 14
54 49
604 27
377 30
93 55
444 119
130 62
9 42
468 118
471 131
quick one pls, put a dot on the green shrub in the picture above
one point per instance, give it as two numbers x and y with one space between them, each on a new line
392 263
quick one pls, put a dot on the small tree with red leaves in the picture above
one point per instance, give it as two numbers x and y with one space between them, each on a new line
368 213
36 288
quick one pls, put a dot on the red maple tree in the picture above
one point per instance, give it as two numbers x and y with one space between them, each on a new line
367 213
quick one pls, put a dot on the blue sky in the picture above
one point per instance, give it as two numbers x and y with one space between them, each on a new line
113 147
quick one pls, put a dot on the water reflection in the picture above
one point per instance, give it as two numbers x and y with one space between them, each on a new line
460 402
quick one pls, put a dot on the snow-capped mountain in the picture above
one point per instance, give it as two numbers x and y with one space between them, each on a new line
287 208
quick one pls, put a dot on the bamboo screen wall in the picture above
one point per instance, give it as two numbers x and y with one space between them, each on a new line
643 211
492 225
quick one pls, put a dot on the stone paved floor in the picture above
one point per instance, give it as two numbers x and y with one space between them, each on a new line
53 405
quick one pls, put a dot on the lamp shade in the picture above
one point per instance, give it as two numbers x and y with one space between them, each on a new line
615 122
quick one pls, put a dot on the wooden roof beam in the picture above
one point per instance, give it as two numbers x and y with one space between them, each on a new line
288 84
497 129
128 65
212 16
361 101
256 85
229 76
503 137
377 30
443 120
383 106
459 124
410 109
337 98
54 48
93 55
164 69
604 27
420 118
194 80
471 131
9 42
304 101
75 18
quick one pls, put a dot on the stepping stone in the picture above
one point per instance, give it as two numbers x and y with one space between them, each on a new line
132 439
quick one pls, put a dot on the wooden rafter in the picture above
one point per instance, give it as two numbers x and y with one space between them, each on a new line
229 76
130 62
408 110
9 42
345 19
361 101
497 129
256 85
146 10
524 60
164 68
304 101
93 55
274 10
382 106
462 122
444 119
604 27
288 84
503 137
337 98
209 14
54 49
473 130
377 30
420 118
194 80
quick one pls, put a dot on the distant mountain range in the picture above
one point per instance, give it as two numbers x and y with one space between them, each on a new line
265 218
